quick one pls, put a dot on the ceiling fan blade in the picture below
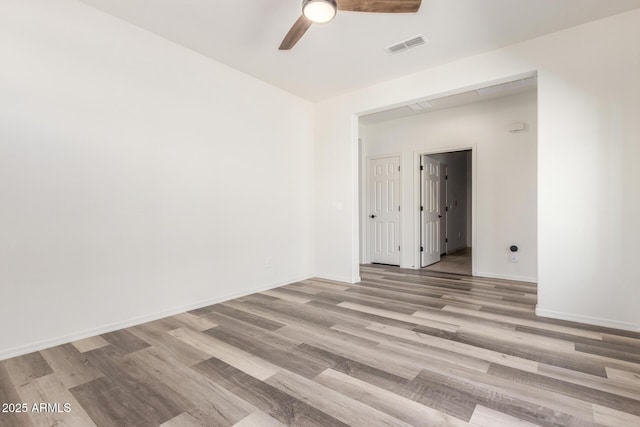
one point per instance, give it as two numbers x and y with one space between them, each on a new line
380 6
299 28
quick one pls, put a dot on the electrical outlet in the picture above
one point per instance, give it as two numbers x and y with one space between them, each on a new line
268 262
514 257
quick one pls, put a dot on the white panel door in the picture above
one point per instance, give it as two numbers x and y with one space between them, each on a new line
444 201
384 210
430 211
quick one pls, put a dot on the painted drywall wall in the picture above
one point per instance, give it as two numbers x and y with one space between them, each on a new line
137 178
505 179
588 203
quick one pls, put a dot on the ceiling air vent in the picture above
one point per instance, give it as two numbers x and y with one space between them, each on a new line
410 43
418 106
396 48
416 41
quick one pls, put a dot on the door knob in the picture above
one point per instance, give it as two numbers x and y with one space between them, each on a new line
372 216
439 216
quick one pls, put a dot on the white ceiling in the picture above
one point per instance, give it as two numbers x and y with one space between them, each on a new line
347 53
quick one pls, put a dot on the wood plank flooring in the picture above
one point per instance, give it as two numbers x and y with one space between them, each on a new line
403 348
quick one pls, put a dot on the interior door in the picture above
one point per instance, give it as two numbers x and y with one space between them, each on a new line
430 211
384 210
444 202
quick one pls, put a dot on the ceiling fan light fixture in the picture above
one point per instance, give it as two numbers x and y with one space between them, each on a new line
319 11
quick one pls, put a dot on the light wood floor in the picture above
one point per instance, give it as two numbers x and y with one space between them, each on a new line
403 348
458 262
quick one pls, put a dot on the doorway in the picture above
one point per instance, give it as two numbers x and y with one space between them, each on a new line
446 212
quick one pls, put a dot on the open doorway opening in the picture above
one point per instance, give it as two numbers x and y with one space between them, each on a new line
494 130
446 212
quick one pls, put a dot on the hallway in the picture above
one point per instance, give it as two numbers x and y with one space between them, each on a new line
458 262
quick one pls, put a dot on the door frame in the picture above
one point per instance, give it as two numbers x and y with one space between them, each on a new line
416 198
364 214
444 171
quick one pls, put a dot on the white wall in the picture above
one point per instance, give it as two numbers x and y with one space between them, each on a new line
505 178
588 203
137 178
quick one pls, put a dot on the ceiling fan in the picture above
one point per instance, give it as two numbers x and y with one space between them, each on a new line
323 11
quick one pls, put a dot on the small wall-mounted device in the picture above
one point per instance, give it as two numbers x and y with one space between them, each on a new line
517 127
514 253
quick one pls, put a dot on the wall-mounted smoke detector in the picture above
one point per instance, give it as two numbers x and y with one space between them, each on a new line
517 127
404 45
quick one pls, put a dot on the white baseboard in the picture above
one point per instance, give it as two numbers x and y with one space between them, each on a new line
589 320
343 279
52 342
506 277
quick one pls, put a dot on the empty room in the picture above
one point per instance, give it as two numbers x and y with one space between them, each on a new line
319 213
